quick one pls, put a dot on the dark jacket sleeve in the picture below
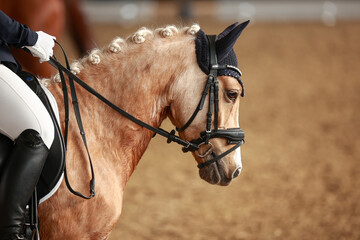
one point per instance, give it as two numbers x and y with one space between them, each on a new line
15 33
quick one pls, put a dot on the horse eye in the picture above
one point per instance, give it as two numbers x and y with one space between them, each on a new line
232 95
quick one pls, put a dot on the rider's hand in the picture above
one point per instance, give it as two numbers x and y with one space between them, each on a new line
43 47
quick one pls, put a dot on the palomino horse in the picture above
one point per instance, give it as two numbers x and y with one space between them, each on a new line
49 16
151 75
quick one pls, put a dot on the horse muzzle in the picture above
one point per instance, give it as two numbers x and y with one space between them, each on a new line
221 172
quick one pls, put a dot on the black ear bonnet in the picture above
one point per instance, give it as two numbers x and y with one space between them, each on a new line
224 50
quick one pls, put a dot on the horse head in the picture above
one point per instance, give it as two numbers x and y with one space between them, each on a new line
210 118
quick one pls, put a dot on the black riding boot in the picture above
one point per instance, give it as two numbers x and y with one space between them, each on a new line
20 174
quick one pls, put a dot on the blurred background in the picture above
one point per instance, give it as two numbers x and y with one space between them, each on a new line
301 161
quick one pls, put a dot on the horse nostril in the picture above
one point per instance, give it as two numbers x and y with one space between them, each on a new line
236 173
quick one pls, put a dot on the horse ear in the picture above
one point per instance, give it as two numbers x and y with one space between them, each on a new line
227 39
227 30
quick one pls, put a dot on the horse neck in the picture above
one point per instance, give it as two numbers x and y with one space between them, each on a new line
137 80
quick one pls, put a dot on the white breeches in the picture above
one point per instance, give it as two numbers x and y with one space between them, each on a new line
21 109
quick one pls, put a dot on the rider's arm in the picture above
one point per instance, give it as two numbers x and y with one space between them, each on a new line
15 33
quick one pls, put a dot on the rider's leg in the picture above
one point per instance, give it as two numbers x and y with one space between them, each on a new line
21 109
24 119
18 180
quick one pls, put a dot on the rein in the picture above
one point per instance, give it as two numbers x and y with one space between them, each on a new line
233 135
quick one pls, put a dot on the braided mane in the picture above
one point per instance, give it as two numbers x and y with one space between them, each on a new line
118 45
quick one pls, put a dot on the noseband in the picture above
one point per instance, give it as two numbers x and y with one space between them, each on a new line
233 135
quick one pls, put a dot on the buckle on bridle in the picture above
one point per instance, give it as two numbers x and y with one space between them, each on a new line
217 67
207 136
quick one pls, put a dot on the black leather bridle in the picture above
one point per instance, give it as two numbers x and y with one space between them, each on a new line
233 135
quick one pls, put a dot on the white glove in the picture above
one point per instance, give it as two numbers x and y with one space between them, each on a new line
43 47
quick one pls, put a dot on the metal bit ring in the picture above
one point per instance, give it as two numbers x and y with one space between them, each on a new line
209 151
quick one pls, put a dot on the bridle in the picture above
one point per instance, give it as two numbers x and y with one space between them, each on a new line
233 135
